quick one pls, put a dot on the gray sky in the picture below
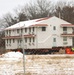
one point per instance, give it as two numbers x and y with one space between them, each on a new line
9 5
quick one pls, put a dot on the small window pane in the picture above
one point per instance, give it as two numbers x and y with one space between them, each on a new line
43 28
10 41
25 29
64 28
7 31
29 29
29 39
33 28
64 38
21 30
7 40
13 40
54 28
26 40
54 39
17 30
33 39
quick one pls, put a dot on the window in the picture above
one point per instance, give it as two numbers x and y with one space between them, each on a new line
29 29
65 41
21 30
26 40
17 30
9 32
43 28
9 40
54 39
64 38
13 30
64 28
33 28
13 40
25 29
19 41
54 27
29 39
33 39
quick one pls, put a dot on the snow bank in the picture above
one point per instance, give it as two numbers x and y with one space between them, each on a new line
13 55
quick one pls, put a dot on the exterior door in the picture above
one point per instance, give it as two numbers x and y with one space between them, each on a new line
54 42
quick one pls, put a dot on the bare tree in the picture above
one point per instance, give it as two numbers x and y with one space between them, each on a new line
21 13
41 8
9 20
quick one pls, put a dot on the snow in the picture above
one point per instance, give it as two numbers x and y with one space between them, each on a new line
9 61
37 64
13 55
24 24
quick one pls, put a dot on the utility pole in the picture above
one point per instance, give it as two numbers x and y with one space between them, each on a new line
23 52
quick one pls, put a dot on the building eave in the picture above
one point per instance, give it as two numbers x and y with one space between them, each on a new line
68 35
39 25
17 37
67 25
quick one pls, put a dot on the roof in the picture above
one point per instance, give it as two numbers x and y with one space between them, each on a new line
37 22
29 23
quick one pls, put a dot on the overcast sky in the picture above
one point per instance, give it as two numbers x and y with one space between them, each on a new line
10 5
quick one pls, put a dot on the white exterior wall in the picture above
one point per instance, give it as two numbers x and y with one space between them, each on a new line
45 39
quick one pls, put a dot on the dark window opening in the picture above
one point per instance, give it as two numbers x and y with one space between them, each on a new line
13 40
26 40
25 29
43 28
54 39
33 39
21 30
64 28
17 30
54 28
33 28
29 39
29 29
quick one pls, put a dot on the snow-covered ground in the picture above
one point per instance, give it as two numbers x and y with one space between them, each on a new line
11 63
